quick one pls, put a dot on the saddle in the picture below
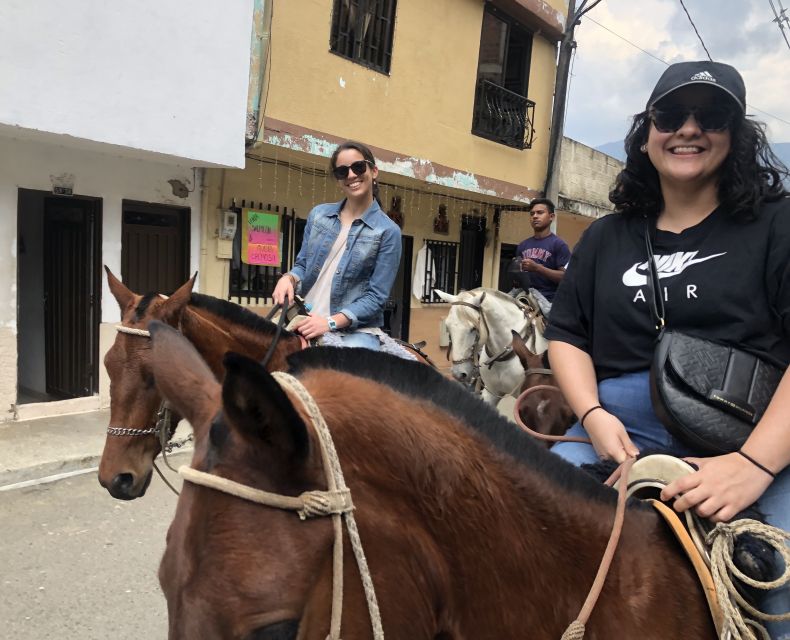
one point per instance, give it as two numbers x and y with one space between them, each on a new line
751 556
648 477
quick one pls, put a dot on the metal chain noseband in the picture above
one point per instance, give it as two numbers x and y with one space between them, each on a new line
335 502
164 427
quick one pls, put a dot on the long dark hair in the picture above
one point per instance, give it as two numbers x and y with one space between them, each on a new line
751 173
366 153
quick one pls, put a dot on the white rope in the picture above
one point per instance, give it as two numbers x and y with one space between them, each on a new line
120 328
337 483
723 569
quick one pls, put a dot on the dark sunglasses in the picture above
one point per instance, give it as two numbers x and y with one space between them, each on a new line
711 118
359 167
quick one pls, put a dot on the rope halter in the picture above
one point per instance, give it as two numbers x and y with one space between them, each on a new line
335 502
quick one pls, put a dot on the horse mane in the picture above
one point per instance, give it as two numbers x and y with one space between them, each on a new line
419 381
142 306
234 313
494 293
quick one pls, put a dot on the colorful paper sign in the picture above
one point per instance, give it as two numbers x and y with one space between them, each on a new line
260 239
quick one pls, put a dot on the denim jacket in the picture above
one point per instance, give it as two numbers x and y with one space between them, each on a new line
367 269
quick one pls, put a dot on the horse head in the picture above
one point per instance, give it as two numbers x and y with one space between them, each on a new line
131 444
464 328
248 430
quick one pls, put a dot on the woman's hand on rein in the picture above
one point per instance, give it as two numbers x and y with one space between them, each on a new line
313 327
609 437
284 288
723 486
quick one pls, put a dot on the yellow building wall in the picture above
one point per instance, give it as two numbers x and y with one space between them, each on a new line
273 182
423 109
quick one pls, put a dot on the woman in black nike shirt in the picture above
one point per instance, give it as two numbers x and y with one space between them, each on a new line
704 176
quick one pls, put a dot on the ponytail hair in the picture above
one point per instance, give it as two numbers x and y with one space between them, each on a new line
366 153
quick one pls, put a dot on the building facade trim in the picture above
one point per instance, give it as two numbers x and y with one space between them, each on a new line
298 138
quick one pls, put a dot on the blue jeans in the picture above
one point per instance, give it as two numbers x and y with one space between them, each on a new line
361 339
628 398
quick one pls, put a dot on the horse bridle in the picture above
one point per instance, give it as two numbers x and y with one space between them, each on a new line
164 414
475 348
334 502
164 428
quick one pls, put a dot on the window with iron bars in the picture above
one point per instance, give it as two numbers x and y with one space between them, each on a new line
362 31
441 269
252 283
502 112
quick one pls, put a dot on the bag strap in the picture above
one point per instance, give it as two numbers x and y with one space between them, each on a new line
656 299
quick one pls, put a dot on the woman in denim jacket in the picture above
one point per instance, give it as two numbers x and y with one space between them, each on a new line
349 256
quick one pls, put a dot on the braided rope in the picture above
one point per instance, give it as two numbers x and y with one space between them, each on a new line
574 632
337 483
120 328
723 569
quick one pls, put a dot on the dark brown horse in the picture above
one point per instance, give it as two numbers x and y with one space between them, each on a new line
215 327
546 410
471 530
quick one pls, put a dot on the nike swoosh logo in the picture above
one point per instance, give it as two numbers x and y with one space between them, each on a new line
668 266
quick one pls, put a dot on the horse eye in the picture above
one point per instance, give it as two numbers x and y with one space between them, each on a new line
278 631
218 434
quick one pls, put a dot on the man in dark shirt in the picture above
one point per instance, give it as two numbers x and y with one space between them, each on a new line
545 255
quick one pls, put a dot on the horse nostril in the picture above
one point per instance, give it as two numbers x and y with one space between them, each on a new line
462 375
121 486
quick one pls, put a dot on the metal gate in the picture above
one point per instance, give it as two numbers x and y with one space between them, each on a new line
71 299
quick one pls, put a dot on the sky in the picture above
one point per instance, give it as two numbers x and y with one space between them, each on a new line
612 79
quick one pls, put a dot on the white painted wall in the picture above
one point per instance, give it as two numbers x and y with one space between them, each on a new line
164 76
31 165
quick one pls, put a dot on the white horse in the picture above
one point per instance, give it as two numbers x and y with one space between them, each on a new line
480 322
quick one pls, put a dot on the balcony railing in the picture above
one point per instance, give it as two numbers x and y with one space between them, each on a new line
503 116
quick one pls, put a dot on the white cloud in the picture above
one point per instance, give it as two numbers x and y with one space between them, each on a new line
613 79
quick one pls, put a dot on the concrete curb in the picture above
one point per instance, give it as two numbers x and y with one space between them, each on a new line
47 468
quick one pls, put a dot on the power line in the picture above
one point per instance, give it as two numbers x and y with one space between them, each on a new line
688 15
636 46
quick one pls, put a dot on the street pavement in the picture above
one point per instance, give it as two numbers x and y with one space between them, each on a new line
78 564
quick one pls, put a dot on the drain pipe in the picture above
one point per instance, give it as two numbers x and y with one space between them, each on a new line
260 56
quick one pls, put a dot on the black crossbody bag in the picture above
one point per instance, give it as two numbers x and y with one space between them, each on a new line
708 395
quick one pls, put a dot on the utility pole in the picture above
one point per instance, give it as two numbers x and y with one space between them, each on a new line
567 45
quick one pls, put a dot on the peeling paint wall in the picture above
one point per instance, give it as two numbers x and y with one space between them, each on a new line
422 111
32 165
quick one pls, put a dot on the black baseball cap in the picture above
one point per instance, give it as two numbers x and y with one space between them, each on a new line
715 74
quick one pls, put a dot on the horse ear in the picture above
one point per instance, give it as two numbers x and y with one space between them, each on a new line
174 305
120 292
447 297
520 349
256 405
182 376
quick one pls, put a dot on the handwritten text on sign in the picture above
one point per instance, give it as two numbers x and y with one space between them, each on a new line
260 240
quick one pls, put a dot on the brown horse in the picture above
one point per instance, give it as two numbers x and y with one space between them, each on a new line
471 530
215 327
545 411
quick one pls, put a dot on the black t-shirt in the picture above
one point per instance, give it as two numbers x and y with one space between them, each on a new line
723 280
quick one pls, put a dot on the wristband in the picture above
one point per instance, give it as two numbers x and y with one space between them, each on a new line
587 413
757 464
332 324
